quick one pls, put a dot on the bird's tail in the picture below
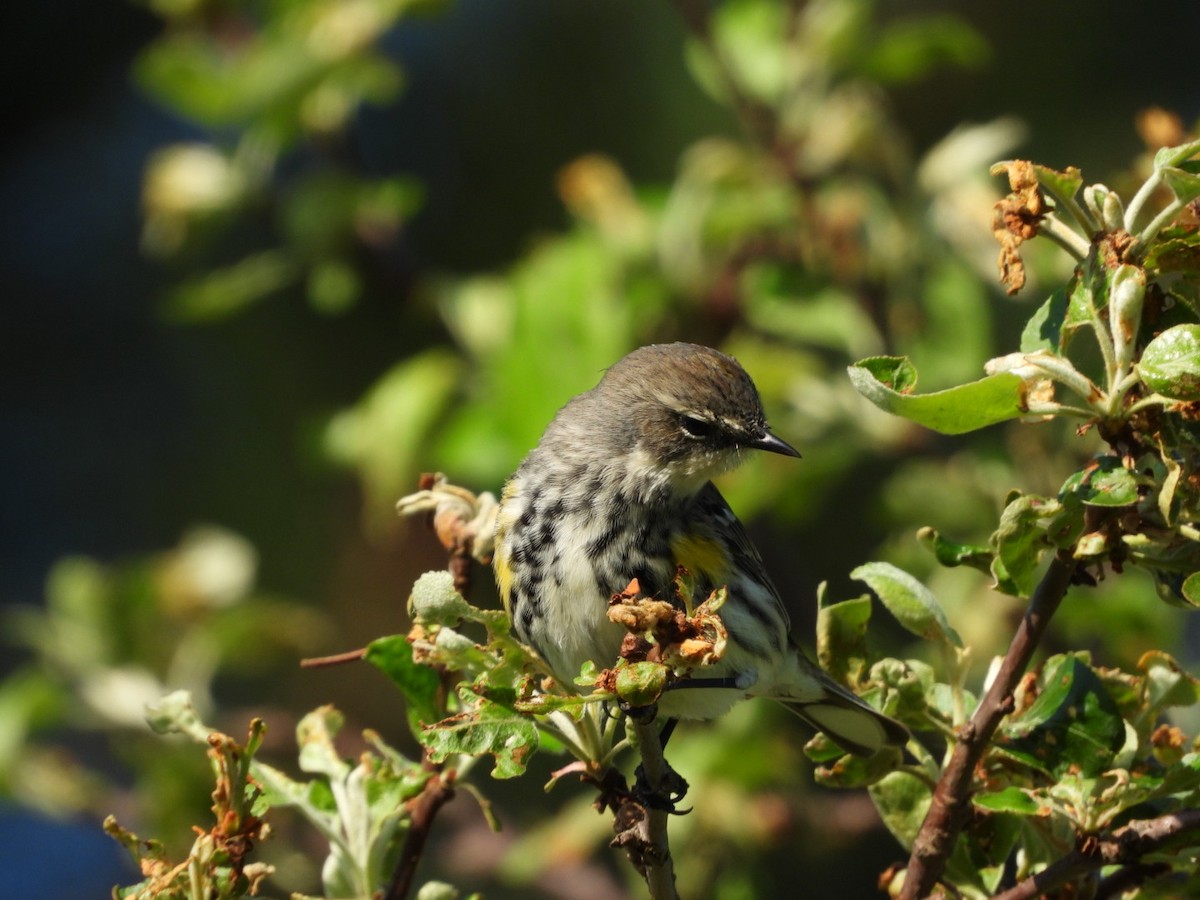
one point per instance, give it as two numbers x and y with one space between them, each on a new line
847 720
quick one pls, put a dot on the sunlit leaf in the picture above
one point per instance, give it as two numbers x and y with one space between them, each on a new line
1073 724
420 684
487 729
1103 482
888 381
1020 541
1045 328
1170 364
913 604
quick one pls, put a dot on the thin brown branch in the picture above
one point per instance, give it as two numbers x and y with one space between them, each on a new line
1125 846
951 799
336 659
423 809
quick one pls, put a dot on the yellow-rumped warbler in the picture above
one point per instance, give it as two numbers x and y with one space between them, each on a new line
619 488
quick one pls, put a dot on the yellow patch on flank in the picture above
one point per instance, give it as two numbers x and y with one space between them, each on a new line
504 577
700 556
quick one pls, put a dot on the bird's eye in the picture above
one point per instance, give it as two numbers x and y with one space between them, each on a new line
697 428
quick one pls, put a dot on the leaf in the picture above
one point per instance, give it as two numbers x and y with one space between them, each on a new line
841 638
420 684
908 48
1170 364
640 684
1011 799
1087 295
386 435
903 801
436 601
1173 156
487 728
849 771
1073 724
888 383
315 734
1044 330
1019 543
1102 482
1184 184
951 554
1167 684
913 604
229 290
981 854
1063 185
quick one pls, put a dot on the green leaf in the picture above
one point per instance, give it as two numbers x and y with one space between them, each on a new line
436 601
1184 184
908 48
1011 799
888 381
1019 543
1044 330
386 435
951 554
903 801
1170 364
1072 725
1173 156
641 683
229 290
1167 684
487 728
982 852
315 734
1061 184
420 684
910 682
1102 482
841 638
856 771
1191 589
1087 294
913 604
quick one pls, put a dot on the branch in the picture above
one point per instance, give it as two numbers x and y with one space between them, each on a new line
438 790
1125 846
641 822
951 799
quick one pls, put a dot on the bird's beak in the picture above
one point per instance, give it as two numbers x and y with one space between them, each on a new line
775 445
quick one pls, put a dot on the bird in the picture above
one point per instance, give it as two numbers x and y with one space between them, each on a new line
620 487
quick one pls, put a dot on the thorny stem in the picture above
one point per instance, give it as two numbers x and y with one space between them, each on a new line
951 799
1124 846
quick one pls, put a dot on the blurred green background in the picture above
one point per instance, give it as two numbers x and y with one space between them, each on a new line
424 289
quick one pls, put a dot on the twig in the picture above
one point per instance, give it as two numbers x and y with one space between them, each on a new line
424 808
336 659
1125 846
951 799
641 823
